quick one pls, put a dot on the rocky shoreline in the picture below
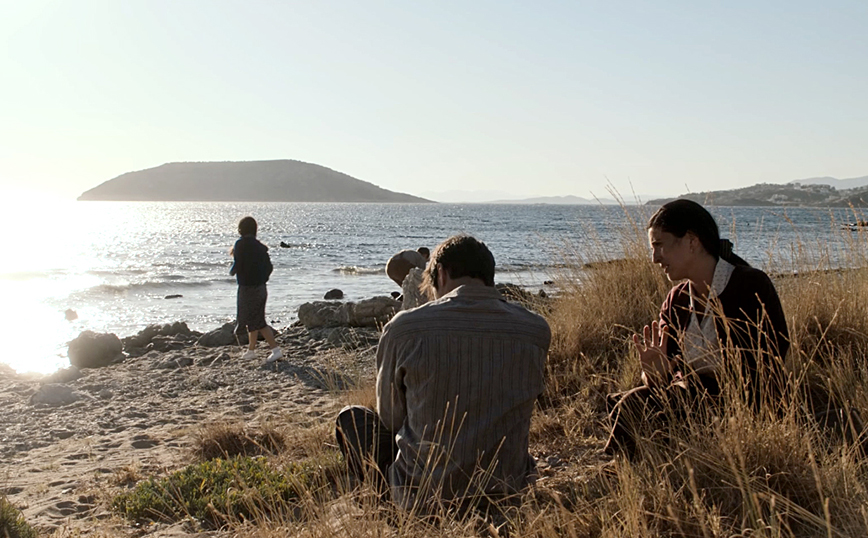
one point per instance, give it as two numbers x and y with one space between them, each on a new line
68 437
130 407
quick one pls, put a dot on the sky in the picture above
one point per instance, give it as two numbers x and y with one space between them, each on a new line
528 98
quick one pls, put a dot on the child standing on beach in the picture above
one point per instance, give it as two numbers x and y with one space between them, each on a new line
251 268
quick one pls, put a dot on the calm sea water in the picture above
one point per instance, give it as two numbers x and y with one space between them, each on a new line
114 263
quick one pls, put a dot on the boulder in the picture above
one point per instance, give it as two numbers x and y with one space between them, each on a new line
368 313
94 350
373 312
333 295
514 293
224 336
144 337
54 395
322 314
166 343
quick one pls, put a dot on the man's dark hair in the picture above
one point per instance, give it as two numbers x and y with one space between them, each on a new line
247 226
460 256
424 252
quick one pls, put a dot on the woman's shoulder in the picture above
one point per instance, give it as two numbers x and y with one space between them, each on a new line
749 280
748 274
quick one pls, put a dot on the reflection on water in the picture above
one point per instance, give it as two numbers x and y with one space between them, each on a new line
115 263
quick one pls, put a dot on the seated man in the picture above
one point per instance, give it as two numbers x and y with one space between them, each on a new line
456 383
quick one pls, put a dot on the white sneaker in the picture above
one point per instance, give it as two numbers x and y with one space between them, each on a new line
250 354
276 353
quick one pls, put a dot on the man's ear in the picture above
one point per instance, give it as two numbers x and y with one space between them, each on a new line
442 276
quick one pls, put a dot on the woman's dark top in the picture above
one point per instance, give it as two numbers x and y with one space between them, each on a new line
748 302
252 265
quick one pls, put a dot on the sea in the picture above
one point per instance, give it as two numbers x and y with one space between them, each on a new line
120 266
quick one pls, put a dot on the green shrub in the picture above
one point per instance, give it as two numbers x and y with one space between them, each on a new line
12 524
221 490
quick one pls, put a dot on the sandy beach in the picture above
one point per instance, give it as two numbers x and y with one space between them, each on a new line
70 440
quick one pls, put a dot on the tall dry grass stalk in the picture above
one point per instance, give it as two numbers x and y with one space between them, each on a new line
793 469
796 469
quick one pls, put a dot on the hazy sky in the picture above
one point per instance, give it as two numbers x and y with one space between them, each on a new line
533 98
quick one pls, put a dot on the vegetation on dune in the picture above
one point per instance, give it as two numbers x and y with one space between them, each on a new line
796 469
219 491
12 523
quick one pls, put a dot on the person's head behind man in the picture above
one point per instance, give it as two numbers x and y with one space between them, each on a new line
247 226
459 260
424 252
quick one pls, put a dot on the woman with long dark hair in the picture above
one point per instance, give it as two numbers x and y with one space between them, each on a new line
720 307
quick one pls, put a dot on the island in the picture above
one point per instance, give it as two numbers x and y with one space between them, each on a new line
250 181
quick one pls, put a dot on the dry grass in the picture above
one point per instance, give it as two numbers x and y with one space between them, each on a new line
795 472
228 439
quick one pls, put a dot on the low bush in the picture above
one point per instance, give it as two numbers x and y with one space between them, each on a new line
219 491
12 523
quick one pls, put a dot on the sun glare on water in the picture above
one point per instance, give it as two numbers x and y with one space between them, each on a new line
43 242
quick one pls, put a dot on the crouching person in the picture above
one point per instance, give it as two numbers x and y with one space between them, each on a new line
456 383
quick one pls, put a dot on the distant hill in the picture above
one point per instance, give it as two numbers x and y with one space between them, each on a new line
789 194
502 197
840 184
253 181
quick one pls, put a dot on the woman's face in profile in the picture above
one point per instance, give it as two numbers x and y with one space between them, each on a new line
671 253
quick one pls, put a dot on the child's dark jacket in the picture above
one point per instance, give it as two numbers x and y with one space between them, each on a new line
252 265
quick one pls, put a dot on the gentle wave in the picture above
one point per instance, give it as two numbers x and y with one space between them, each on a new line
186 264
354 270
116 272
150 285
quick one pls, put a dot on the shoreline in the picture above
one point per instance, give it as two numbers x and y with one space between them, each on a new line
68 443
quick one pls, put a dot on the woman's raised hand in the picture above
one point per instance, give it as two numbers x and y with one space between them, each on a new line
652 352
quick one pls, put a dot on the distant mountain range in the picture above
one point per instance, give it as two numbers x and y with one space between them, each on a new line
840 184
501 197
252 181
557 200
814 192
296 181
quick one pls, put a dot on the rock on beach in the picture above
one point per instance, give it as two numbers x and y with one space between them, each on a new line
372 312
54 395
94 350
333 295
66 438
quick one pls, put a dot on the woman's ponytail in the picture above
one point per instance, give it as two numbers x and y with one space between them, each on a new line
725 253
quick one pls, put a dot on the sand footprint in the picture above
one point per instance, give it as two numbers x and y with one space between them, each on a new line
144 441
